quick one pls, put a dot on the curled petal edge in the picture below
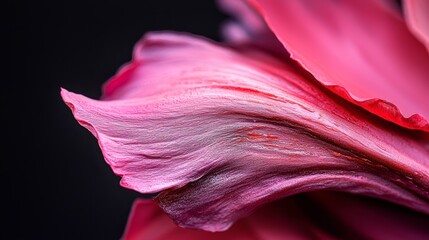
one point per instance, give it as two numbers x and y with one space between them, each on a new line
295 138
389 108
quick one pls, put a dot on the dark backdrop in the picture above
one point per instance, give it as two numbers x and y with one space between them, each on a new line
63 189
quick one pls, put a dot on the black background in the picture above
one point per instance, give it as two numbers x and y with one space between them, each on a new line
61 185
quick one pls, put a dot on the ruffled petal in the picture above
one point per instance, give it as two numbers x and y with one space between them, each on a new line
220 132
361 50
417 17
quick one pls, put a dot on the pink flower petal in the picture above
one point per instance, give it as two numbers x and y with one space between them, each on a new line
417 18
364 218
361 50
275 221
322 215
220 132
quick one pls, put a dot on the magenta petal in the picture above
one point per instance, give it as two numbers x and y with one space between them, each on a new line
364 218
417 17
321 215
361 50
221 132
275 222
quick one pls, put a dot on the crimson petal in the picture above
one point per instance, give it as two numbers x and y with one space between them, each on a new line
361 50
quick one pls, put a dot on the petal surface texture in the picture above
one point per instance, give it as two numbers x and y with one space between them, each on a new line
417 16
219 132
361 50
321 215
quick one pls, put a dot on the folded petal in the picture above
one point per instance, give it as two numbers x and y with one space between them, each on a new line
417 17
361 50
220 132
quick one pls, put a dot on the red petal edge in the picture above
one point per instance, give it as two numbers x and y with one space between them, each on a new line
332 37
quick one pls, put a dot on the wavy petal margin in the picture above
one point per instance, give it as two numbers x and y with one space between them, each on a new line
360 50
220 133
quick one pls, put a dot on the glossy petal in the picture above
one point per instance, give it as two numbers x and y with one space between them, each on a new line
361 50
417 17
321 215
220 132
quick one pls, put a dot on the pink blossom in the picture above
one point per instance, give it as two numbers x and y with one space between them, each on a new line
219 130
